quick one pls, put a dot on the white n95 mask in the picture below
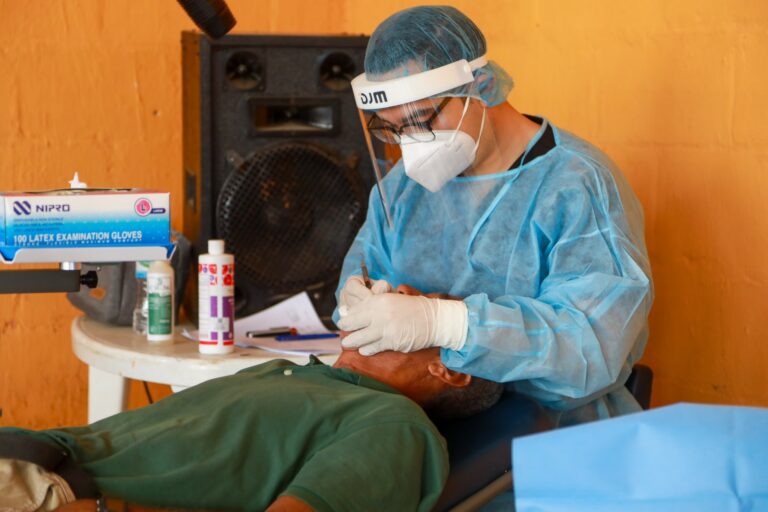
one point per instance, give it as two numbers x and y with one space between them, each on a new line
433 164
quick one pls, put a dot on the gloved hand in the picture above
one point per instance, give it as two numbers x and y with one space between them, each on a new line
404 323
355 291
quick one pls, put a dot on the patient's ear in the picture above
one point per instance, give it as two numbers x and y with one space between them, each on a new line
456 379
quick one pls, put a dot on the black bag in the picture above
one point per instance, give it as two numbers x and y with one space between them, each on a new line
114 299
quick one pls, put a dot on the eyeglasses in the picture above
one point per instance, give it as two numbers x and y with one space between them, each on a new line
419 131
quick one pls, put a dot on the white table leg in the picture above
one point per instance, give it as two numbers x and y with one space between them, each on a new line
107 394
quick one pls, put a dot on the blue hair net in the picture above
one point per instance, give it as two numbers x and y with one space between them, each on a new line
428 37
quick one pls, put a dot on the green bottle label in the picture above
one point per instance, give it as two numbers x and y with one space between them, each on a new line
160 306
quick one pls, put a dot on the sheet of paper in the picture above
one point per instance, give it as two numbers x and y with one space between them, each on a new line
296 312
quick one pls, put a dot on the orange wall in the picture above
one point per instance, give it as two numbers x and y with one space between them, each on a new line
673 91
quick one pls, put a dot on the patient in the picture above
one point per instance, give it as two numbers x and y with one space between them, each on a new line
277 437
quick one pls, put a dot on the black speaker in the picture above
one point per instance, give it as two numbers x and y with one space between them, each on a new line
275 161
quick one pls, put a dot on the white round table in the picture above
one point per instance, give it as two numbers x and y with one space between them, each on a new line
114 354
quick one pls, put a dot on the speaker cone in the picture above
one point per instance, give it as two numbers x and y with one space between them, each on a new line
244 71
337 71
289 213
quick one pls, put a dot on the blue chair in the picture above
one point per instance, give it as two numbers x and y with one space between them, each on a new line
479 447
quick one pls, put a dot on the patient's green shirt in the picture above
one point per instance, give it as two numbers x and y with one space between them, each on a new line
330 437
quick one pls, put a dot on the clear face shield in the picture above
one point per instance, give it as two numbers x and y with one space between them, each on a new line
406 120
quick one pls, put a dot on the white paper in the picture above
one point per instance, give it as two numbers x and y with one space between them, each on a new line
296 312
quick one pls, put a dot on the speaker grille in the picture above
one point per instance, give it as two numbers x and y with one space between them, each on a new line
289 212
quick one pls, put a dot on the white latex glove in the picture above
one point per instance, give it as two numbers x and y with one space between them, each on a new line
355 291
404 323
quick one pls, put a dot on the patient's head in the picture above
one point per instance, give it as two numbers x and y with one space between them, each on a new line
422 377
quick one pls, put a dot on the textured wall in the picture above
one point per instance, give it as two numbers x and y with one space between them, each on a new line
94 86
675 92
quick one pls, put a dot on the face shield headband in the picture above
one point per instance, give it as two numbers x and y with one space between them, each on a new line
371 95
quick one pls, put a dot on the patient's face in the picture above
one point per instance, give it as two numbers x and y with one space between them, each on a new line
407 372
393 368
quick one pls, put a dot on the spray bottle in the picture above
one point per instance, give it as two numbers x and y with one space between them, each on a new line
216 292
160 290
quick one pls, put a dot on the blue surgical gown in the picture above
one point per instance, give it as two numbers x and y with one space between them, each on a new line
550 259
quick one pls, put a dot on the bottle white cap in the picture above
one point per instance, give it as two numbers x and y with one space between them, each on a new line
76 183
215 247
159 267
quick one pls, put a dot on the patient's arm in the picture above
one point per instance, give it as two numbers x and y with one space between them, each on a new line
281 504
90 506
289 504
78 506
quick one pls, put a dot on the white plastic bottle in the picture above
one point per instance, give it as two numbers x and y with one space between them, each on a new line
160 290
216 292
141 310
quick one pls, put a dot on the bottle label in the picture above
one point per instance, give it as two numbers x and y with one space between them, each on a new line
216 303
160 304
